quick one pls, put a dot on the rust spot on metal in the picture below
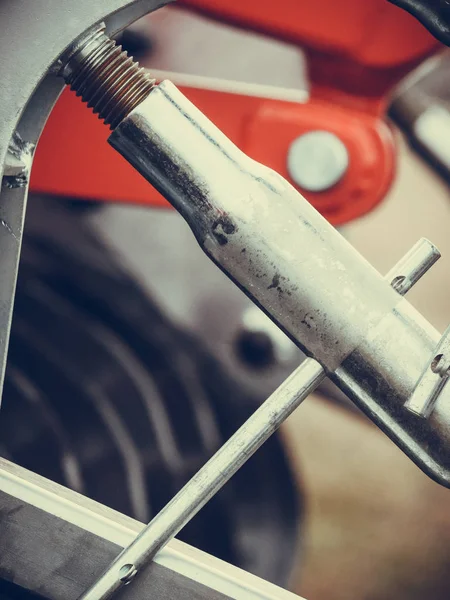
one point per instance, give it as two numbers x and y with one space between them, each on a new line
275 282
222 239
222 227
308 320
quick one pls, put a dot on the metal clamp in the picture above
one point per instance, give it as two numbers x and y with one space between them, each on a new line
437 371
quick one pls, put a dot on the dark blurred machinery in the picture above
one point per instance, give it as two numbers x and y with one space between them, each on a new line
105 395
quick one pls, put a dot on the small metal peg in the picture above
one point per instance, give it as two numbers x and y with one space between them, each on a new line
432 380
413 266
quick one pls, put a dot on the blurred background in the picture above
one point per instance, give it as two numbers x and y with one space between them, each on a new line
133 358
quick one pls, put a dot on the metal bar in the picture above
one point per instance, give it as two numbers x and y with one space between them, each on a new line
413 266
209 480
54 542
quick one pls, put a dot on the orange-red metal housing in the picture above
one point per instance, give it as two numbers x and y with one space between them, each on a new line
357 51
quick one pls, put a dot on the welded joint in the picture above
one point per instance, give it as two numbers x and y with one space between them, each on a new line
17 167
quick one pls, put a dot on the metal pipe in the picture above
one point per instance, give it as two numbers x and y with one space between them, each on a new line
209 480
293 264
256 227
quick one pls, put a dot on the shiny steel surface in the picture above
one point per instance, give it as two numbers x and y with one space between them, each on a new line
295 266
256 227
30 45
380 376
292 263
192 497
210 479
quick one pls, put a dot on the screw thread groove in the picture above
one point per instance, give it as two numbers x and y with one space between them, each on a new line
107 79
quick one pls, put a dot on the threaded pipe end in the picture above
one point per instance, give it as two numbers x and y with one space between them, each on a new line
106 78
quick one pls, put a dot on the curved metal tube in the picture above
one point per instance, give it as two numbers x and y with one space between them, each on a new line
34 35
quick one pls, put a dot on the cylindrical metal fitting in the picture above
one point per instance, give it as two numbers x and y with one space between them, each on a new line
257 228
273 244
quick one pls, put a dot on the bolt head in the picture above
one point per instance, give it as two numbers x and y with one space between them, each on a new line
317 160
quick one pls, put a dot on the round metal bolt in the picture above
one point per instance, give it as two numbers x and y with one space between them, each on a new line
317 160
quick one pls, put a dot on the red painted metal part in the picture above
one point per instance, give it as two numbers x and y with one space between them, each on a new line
369 142
74 158
357 50
373 33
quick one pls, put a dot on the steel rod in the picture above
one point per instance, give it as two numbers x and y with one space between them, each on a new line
209 480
